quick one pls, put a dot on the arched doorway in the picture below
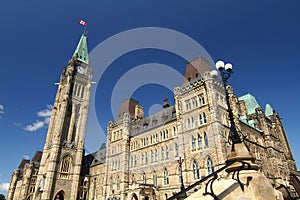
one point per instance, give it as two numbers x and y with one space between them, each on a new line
59 196
134 197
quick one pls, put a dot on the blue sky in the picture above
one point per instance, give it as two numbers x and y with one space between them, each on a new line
260 39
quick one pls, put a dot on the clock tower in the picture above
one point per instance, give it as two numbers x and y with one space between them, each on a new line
59 172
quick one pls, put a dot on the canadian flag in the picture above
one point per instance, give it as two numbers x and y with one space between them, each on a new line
83 23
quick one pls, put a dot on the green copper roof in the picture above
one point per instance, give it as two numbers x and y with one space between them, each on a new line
269 110
82 50
250 102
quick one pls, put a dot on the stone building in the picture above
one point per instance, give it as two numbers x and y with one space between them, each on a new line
149 157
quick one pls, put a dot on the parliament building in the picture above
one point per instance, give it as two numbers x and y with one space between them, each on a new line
156 157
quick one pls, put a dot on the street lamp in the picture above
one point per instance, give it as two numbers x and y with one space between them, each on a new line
225 72
180 160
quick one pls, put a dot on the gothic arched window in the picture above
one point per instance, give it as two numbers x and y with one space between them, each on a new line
199 141
196 170
204 118
193 143
152 156
200 119
144 178
142 159
118 183
111 184
166 177
65 166
193 122
176 149
167 152
210 166
205 139
154 179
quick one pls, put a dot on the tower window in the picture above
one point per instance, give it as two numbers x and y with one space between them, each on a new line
65 166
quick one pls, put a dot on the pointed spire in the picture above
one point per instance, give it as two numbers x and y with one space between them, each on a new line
81 50
269 110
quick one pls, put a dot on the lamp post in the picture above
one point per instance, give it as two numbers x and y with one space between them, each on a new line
182 188
180 160
225 72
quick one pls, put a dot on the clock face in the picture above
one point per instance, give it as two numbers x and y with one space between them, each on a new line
80 70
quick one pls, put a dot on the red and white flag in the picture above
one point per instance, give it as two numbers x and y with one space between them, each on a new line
83 23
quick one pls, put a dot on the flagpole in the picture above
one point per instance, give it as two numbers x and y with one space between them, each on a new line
84 30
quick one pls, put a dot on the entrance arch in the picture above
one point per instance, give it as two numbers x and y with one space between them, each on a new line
59 195
134 197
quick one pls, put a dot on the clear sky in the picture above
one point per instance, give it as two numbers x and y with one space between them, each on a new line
260 38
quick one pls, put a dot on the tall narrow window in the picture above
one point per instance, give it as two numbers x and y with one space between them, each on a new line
205 139
167 152
162 153
176 150
166 177
152 156
193 143
154 179
188 123
196 170
204 118
174 131
78 91
200 119
156 155
146 157
142 159
75 90
203 100
118 183
199 141
111 184
193 122
210 166
133 179
144 178
82 92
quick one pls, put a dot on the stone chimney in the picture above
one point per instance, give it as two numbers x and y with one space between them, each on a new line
166 103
